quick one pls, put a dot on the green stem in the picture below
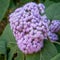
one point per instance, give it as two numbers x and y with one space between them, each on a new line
57 42
24 57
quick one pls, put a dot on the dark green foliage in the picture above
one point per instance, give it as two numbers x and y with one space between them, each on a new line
4 4
55 0
57 57
47 3
57 47
53 11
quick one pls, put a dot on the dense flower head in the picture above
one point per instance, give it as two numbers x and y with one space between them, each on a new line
52 36
54 26
30 27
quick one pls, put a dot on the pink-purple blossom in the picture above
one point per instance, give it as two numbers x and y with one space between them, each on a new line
52 36
54 26
30 28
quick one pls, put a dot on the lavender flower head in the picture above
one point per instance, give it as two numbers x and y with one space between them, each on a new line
54 26
28 28
52 36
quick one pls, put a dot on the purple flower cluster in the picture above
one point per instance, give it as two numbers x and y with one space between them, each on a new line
30 28
55 26
52 36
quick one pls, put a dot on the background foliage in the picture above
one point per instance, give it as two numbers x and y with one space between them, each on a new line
8 46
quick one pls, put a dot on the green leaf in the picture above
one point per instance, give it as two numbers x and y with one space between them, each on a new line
13 49
8 35
3 49
4 4
57 47
57 17
15 53
2 46
34 56
53 10
46 53
20 55
47 3
57 57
